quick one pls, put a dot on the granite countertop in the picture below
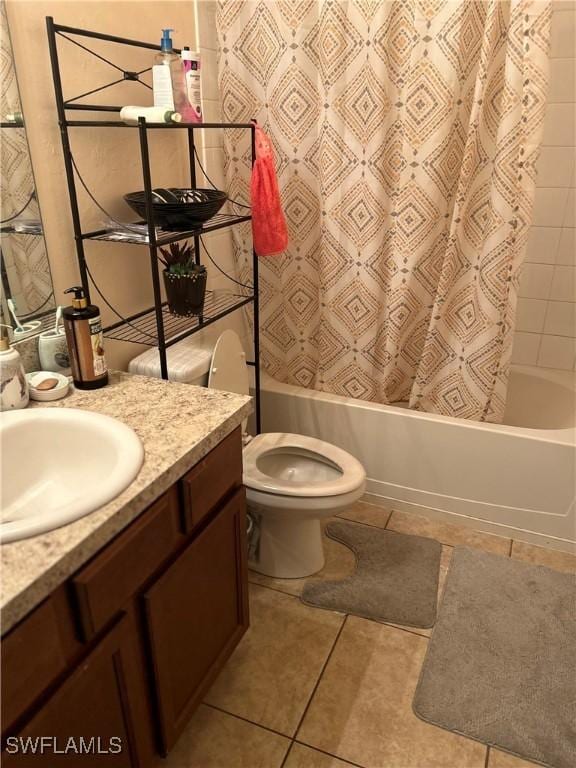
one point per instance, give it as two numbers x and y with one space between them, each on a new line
178 425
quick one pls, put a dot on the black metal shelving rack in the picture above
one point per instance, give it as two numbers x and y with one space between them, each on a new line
154 326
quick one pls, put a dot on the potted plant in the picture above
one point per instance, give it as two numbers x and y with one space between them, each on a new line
185 280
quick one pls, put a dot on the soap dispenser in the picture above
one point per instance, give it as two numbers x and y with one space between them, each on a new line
168 77
13 384
83 328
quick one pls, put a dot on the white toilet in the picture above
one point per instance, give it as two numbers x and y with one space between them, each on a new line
292 481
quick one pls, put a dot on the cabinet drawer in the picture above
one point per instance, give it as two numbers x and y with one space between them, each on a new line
113 576
212 479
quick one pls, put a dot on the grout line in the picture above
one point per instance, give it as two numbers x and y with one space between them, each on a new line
329 754
361 522
307 707
487 758
511 546
246 720
275 589
283 763
402 628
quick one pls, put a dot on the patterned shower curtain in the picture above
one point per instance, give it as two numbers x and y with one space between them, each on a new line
406 135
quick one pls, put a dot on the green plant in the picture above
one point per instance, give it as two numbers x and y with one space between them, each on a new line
179 260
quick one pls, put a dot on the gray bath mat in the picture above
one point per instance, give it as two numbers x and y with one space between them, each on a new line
396 578
500 664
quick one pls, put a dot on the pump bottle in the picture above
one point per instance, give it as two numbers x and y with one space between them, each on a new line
168 77
83 328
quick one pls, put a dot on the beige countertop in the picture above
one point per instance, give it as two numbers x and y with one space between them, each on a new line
178 425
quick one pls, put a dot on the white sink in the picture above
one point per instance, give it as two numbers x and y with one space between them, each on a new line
59 464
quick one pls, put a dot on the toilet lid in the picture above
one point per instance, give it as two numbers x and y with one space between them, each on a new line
228 369
349 476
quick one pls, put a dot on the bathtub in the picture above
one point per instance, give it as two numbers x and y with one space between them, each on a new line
515 479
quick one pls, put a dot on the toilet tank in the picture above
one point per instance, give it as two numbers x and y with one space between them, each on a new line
187 363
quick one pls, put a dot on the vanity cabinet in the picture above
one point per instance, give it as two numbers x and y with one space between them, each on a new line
197 610
127 648
102 698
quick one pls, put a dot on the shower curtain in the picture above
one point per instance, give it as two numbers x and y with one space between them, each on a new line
406 135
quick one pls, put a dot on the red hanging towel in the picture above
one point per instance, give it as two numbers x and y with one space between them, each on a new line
269 230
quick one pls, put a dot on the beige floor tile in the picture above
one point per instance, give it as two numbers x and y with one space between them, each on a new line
530 553
214 739
340 563
271 674
369 514
304 757
499 759
444 566
447 533
362 708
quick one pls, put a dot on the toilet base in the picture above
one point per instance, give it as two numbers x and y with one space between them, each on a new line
289 549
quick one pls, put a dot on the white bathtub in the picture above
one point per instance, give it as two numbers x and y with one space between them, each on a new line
515 479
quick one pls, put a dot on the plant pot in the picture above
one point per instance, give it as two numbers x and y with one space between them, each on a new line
185 293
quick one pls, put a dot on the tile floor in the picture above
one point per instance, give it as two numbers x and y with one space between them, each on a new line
308 688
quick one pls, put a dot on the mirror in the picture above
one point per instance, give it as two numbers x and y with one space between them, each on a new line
27 295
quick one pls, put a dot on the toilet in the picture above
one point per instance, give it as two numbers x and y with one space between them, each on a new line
292 481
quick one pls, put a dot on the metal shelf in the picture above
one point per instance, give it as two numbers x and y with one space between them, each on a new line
156 326
141 328
163 237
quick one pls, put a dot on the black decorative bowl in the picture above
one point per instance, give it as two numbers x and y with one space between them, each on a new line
178 208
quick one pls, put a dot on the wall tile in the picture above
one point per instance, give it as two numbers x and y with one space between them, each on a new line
209 72
549 207
543 243
570 212
563 287
563 35
535 281
567 247
530 314
557 352
561 318
207 36
555 167
212 111
559 125
525 348
561 88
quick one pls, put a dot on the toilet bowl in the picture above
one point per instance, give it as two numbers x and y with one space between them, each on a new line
292 481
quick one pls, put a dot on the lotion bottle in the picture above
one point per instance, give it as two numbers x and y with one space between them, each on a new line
83 328
191 62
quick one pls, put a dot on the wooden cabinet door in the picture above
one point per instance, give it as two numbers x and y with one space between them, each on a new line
196 613
95 718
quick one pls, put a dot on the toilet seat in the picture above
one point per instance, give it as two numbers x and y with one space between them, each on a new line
318 469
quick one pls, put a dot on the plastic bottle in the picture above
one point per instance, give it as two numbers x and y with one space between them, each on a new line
83 328
191 62
168 77
130 115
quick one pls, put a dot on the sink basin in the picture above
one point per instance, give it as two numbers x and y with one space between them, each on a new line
59 464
